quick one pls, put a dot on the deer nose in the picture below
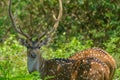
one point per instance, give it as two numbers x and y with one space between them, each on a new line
33 55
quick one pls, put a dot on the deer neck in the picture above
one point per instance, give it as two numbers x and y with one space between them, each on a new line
42 66
37 64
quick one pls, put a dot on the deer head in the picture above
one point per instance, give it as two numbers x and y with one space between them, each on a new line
33 46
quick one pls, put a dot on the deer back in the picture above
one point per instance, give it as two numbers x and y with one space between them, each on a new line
99 54
85 69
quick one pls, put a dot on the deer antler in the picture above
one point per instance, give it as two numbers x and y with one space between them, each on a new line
19 30
47 34
57 20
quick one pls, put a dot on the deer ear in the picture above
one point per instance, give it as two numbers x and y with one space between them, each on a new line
23 42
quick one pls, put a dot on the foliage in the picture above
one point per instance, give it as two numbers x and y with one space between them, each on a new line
85 24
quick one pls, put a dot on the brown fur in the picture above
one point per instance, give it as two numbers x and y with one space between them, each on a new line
85 69
99 54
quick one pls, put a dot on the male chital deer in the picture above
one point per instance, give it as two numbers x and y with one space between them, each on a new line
89 68
99 54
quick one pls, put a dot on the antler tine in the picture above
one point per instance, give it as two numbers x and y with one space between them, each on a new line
57 19
13 22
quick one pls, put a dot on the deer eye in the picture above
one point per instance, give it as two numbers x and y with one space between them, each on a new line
33 55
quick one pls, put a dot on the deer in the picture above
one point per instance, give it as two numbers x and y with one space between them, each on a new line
88 68
99 54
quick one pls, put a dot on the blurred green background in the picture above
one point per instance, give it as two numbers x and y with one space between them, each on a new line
84 24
